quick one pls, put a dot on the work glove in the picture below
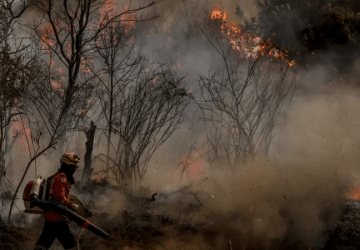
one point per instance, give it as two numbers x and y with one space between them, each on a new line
75 207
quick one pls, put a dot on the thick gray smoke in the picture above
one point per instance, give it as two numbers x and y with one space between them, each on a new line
298 191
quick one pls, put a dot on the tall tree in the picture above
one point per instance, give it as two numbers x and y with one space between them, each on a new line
121 66
145 114
240 103
14 72
66 30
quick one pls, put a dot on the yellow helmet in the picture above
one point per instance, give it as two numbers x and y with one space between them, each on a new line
70 159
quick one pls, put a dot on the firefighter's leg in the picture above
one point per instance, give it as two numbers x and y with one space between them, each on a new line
47 237
65 237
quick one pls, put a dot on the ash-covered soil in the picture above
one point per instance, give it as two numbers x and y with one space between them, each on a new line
141 226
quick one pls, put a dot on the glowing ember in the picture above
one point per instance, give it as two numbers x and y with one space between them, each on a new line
46 37
176 66
354 193
84 67
56 85
247 43
292 63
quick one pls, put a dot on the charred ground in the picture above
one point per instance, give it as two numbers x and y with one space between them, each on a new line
142 227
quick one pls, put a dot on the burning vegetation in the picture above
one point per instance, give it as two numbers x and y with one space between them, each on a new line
202 125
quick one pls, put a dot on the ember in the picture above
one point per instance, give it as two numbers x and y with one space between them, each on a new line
354 193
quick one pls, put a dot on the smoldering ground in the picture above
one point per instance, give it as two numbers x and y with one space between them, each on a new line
292 199
296 195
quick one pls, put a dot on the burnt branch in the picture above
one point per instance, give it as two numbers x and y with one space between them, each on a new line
240 103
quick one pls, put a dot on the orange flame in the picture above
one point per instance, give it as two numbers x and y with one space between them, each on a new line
47 32
22 133
247 43
194 165
109 11
85 65
56 85
354 193
60 70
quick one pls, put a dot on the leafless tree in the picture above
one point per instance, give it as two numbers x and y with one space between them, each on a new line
8 18
14 78
240 103
146 113
120 68
15 72
66 30
141 104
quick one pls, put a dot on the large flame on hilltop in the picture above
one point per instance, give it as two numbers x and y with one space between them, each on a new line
246 42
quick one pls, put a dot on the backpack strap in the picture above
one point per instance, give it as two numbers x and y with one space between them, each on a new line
51 186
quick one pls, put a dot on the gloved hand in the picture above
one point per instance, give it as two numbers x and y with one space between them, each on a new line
75 207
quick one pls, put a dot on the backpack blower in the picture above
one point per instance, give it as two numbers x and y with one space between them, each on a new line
36 200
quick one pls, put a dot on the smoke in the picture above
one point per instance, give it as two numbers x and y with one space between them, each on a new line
238 11
298 192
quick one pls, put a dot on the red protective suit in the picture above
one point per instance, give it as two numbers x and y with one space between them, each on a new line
58 191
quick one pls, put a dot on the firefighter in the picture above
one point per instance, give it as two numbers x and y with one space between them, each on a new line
56 226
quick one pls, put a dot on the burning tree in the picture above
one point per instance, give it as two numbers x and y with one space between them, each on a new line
15 74
66 31
141 104
240 103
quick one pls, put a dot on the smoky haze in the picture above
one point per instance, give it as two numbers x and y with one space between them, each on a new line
297 192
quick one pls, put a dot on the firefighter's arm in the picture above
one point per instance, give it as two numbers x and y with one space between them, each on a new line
60 187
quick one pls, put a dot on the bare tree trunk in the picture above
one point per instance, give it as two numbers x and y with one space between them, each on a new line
6 148
90 134
110 125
